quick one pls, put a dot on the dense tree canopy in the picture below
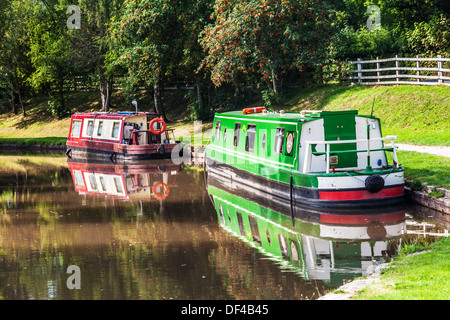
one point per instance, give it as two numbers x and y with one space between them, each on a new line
201 43
265 37
158 42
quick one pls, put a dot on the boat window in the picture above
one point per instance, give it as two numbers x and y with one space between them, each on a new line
283 246
254 229
241 223
90 128
118 183
294 251
217 130
76 128
115 130
222 216
79 181
93 182
264 141
237 131
250 139
102 182
279 139
100 128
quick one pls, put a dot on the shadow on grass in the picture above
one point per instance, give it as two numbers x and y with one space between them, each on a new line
316 98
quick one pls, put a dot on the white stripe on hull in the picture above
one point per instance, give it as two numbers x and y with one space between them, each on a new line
356 182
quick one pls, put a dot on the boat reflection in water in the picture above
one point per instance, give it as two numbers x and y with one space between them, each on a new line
328 246
143 180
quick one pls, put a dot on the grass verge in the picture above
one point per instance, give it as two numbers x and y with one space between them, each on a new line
45 141
415 277
424 167
416 114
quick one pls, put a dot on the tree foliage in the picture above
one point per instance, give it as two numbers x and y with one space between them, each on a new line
15 64
214 45
267 38
158 42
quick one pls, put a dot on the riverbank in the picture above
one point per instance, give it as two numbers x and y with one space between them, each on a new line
419 276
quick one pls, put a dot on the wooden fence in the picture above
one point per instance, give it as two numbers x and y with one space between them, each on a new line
422 71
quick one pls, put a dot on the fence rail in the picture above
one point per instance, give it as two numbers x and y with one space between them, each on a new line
423 71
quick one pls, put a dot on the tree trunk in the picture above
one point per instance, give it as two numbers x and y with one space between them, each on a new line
61 93
20 101
201 105
275 84
14 99
157 99
105 91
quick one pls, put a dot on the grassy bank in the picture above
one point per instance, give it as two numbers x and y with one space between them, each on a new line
424 167
417 114
45 141
415 277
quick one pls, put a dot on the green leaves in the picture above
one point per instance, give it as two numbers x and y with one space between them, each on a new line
269 38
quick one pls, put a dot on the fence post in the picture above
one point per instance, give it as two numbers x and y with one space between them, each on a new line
359 71
418 66
396 67
378 68
440 66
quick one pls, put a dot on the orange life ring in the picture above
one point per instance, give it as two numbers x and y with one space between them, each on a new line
253 110
163 126
160 196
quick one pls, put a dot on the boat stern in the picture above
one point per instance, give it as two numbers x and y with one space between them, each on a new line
362 188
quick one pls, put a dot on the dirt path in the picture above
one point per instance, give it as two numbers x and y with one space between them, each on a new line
437 150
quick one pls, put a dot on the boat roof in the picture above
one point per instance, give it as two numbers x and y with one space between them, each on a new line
114 115
304 115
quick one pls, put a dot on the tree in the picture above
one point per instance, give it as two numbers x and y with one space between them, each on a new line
157 39
50 47
265 37
408 27
15 65
92 43
431 38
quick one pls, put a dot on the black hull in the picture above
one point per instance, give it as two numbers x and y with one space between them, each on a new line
245 181
88 154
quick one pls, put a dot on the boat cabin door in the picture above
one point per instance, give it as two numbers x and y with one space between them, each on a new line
339 128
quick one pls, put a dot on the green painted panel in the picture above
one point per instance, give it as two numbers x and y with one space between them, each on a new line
341 127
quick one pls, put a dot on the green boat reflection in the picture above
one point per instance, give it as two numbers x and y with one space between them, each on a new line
317 245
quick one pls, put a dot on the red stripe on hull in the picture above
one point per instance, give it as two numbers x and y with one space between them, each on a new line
121 148
360 194
356 219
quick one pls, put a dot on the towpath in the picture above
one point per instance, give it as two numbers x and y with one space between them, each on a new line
437 150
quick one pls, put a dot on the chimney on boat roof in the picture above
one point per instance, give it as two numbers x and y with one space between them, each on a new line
305 112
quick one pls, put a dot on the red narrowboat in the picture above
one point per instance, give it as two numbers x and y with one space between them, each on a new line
119 136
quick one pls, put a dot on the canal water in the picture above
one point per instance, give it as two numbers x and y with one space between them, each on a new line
154 230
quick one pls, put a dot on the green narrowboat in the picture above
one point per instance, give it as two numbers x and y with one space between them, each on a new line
318 158
314 245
